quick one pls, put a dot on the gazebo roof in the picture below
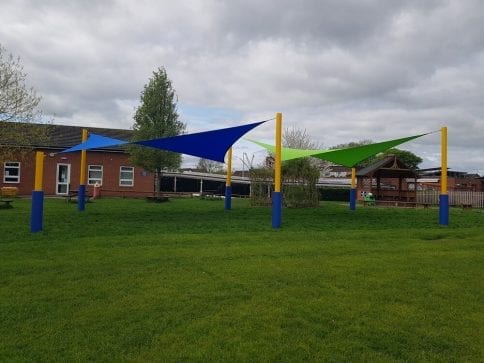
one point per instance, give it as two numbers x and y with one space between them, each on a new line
389 167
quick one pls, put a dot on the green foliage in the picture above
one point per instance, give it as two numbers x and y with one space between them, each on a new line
352 144
262 185
156 117
407 157
185 281
299 178
299 187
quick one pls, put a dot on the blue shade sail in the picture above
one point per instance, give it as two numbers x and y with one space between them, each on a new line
212 145
95 141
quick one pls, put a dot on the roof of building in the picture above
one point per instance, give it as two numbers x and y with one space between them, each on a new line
450 173
58 137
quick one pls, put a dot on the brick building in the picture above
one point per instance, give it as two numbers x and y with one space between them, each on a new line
109 167
429 179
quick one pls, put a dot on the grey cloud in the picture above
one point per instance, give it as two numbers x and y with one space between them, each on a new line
346 70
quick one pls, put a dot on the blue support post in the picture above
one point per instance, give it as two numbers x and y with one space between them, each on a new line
37 210
444 209
353 199
228 197
37 213
81 198
276 209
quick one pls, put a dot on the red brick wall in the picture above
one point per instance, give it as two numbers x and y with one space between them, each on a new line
111 162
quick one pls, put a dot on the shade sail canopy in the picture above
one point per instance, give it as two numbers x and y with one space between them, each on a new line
347 157
95 141
288 153
211 145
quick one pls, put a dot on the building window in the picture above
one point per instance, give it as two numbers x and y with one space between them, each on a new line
11 172
126 176
95 174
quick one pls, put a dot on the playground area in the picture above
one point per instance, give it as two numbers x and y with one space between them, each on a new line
187 280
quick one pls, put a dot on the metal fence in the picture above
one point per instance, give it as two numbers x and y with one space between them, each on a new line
456 198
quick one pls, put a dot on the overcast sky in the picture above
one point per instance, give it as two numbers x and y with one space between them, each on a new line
342 70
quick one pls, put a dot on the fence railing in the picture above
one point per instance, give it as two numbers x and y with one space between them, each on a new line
456 198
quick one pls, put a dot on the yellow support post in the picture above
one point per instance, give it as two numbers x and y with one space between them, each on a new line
443 181
444 196
39 171
277 166
353 189
83 172
277 195
81 195
228 181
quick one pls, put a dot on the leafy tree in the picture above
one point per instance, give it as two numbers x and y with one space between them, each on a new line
352 144
18 108
156 117
407 157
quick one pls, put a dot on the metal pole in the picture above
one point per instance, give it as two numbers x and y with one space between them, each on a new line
276 195
37 211
353 189
444 196
81 195
228 181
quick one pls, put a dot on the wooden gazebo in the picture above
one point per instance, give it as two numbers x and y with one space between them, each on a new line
389 180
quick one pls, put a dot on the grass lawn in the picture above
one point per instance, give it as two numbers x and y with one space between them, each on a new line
128 280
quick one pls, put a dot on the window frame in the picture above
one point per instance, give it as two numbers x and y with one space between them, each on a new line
125 179
93 180
5 176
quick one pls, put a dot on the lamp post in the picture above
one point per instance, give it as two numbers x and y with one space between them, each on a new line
246 162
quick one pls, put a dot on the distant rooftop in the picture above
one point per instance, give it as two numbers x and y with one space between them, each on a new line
58 136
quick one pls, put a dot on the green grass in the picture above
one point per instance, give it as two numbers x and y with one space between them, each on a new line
183 281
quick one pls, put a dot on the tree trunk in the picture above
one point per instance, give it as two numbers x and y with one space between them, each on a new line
157 183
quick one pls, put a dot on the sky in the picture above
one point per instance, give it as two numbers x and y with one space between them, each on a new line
341 70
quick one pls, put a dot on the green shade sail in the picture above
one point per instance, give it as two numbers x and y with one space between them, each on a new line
347 157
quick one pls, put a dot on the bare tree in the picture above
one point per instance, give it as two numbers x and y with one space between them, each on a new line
209 166
17 101
18 108
300 139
